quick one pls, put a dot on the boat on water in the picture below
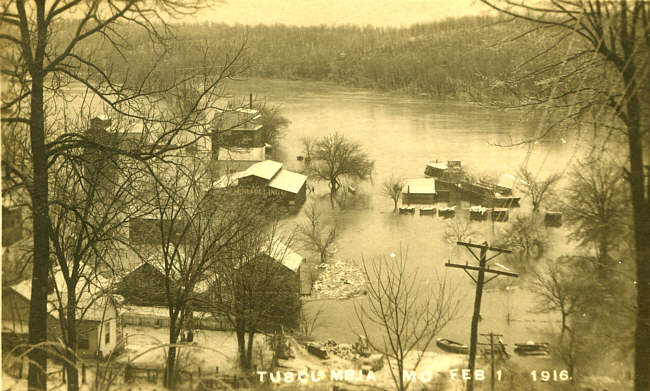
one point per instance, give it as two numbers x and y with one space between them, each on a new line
532 348
452 346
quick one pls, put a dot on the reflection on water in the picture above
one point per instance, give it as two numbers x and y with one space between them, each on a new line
402 134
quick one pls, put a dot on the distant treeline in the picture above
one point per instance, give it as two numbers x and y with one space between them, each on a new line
446 59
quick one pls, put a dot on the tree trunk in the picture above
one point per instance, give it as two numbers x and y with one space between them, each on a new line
641 208
241 346
535 206
249 350
170 367
333 189
37 378
71 348
642 353
400 373
603 257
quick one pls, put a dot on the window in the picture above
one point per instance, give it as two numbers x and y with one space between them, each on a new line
107 337
84 342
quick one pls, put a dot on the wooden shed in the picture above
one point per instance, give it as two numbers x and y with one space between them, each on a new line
419 191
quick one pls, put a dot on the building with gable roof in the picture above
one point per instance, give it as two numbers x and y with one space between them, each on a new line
270 175
294 263
99 329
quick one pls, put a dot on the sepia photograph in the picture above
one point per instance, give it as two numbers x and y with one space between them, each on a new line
325 195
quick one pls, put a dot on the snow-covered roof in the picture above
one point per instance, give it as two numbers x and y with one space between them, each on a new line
156 312
266 169
255 154
231 179
280 252
419 186
249 111
17 326
24 289
91 302
438 165
507 181
288 181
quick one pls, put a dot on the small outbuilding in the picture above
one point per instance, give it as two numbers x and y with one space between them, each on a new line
99 330
419 191
553 219
478 213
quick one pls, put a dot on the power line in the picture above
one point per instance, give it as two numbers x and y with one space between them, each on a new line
480 281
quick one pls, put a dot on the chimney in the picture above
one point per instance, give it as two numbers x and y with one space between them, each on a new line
250 100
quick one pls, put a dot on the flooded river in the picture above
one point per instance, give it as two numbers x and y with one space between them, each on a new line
402 134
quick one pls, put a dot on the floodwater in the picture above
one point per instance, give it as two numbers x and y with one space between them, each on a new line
401 134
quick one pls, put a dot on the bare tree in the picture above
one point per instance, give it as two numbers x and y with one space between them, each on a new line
408 312
310 321
255 289
392 188
536 188
559 289
41 58
195 227
308 148
569 286
526 237
92 202
316 235
337 158
273 123
594 205
459 229
595 68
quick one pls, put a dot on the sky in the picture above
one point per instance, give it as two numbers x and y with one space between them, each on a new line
389 13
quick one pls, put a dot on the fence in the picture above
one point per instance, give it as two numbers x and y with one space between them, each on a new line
198 380
142 320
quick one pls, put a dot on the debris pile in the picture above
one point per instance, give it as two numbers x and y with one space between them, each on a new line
339 280
357 352
343 350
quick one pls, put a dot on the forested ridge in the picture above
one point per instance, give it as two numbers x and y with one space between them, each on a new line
445 59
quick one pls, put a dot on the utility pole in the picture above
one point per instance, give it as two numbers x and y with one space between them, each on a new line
482 268
492 335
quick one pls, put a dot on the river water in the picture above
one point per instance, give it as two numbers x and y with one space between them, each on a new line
402 134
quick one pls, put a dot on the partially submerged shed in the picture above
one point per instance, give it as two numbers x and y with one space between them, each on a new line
553 219
419 191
